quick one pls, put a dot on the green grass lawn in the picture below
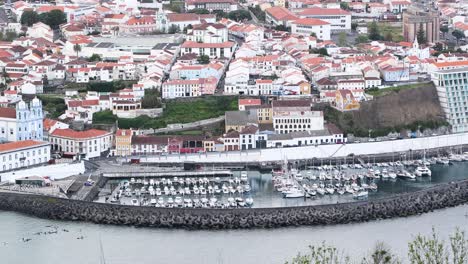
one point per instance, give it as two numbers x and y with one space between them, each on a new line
385 28
175 112
385 91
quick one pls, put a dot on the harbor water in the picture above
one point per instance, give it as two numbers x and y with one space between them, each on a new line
265 195
25 239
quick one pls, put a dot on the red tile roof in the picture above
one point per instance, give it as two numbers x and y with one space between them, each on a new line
11 146
123 132
7 112
250 102
48 123
69 133
280 13
45 9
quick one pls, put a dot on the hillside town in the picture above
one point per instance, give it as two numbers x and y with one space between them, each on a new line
255 127
88 79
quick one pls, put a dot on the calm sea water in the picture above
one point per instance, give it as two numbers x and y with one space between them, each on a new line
148 246
77 242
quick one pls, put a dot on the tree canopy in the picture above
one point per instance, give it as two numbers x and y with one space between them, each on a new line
28 18
203 59
95 57
374 31
421 35
53 18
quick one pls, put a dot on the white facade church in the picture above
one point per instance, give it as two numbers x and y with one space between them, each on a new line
23 122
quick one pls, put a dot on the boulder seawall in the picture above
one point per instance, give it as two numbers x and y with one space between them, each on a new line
401 205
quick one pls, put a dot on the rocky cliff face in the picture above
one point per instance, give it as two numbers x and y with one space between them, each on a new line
407 204
400 108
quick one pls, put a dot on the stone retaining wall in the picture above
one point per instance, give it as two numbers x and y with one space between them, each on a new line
406 204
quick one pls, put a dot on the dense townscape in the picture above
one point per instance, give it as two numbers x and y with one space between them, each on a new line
216 75
232 114
158 103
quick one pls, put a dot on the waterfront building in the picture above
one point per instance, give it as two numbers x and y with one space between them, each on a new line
22 122
123 142
149 145
21 154
452 87
81 144
295 115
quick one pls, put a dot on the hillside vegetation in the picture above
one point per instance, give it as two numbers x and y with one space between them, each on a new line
394 111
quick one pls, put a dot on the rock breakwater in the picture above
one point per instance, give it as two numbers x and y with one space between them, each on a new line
405 204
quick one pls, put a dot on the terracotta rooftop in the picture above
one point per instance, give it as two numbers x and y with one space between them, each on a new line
69 133
11 146
7 112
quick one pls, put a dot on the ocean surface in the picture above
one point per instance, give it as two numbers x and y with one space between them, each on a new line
130 245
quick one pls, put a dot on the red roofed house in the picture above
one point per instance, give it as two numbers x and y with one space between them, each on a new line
278 16
143 24
307 26
339 19
20 154
345 101
248 102
81 144
40 30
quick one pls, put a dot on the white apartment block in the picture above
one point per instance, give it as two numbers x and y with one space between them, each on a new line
339 19
307 26
81 144
21 154
452 89
293 121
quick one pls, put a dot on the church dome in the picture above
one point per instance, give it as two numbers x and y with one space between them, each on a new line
21 105
36 102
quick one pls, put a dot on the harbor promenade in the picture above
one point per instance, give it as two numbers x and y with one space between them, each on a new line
315 151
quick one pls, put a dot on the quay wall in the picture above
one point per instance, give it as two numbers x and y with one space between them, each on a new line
405 204
311 151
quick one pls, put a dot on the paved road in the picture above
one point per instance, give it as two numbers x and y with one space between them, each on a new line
320 151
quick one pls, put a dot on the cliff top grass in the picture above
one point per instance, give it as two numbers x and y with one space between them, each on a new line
175 111
395 89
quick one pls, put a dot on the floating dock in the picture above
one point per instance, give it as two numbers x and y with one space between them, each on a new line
168 173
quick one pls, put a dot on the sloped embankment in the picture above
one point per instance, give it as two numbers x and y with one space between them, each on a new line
394 111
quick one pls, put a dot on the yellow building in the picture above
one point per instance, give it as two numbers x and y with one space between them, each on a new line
265 114
304 87
123 142
345 101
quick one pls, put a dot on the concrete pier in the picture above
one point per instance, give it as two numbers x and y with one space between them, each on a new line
168 173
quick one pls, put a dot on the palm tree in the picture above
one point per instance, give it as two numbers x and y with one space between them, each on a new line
77 49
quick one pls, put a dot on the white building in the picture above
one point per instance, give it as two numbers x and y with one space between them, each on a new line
208 33
295 115
81 144
213 50
40 30
339 19
212 5
307 26
23 122
452 86
21 154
